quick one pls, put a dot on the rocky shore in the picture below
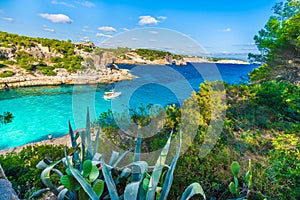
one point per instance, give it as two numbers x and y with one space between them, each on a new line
22 78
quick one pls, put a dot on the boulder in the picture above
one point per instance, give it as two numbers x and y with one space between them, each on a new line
6 190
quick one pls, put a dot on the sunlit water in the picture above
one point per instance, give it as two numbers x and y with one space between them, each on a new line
39 111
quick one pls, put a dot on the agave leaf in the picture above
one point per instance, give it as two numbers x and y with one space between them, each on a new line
98 187
96 143
156 173
192 190
73 140
82 136
89 154
137 155
132 189
39 193
235 168
97 157
138 144
85 186
45 176
120 158
111 186
74 146
87 168
64 161
232 188
94 174
114 156
125 173
63 194
169 177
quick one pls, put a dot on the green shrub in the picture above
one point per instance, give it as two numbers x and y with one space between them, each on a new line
6 74
20 168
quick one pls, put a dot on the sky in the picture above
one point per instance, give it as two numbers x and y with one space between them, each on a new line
222 27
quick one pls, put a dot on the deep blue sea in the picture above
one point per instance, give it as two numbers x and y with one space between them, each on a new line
39 111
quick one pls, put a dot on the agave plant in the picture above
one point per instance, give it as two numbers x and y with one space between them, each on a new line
89 177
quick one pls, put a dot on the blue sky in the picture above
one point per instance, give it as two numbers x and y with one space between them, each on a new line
222 27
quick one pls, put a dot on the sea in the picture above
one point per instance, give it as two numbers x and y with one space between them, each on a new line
42 110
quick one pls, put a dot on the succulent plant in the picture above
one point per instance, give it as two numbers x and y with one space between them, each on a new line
89 177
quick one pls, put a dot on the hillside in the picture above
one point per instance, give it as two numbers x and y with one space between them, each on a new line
28 61
38 61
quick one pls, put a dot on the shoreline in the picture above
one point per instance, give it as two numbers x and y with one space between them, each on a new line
22 79
63 140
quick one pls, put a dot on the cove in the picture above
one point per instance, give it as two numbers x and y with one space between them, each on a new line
41 110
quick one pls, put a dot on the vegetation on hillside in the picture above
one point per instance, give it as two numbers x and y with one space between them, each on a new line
67 59
258 150
279 45
149 54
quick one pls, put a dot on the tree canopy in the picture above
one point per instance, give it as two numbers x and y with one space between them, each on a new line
279 43
6 118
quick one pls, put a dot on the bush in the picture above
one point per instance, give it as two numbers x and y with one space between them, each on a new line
6 74
20 168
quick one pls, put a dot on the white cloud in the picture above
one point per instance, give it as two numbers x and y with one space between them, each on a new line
147 20
134 39
107 29
62 3
86 3
153 32
85 38
8 19
103 35
86 31
162 17
49 30
56 18
225 30
124 29
152 40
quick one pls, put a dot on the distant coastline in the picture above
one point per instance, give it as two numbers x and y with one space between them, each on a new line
23 79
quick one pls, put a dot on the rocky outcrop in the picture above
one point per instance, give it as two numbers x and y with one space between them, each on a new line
89 76
6 190
7 53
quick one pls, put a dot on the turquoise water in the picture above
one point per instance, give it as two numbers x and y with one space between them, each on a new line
39 111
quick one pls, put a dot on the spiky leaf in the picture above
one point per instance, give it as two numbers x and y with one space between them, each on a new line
192 190
45 176
111 186
156 174
139 168
85 186
169 177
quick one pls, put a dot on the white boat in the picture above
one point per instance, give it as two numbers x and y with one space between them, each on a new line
111 94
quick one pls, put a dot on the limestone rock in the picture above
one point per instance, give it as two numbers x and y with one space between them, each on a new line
6 190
